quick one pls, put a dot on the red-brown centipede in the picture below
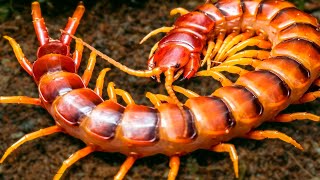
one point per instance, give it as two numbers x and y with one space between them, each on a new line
184 135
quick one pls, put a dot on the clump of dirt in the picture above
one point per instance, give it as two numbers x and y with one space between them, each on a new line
115 28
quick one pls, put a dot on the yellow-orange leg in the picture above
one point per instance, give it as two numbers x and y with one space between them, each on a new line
174 167
260 135
23 61
112 93
242 61
206 59
29 137
72 159
295 116
88 72
232 152
257 54
256 41
77 54
218 45
225 42
188 93
308 97
178 10
153 99
155 32
20 100
125 167
100 81
233 42
156 98
216 76
230 69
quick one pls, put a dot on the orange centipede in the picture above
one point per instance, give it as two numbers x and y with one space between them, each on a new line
205 122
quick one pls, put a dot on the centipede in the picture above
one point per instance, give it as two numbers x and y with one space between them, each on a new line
139 131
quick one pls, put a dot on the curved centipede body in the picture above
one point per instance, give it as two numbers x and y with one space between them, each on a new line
205 122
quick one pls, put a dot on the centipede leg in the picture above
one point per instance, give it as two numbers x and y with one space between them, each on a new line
295 116
308 97
174 167
156 98
77 55
23 61
72 159
125 167
153 99
242 61
232 152
188 93
112 92
261 43
206 58
224 81
20 100
178 10
125 96
155 32
232 42
88 72
218 45
229 69
100 81
257 54
223 45
29 137
260 135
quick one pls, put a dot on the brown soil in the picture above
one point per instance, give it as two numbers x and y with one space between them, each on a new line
116 28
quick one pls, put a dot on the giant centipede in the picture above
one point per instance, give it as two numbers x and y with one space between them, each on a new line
206 122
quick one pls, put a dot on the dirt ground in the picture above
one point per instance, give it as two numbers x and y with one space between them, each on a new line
116 27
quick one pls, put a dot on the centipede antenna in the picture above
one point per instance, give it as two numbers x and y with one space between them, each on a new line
72 24
39 24
139 73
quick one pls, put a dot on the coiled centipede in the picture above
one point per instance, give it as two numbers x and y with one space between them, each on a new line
229 126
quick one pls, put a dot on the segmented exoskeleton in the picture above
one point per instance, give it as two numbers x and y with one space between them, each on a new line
205 122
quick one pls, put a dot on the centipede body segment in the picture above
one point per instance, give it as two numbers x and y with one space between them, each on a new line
203 122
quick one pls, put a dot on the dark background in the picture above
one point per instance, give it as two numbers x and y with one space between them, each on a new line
115 27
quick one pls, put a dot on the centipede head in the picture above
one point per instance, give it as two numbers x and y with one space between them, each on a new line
177 57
